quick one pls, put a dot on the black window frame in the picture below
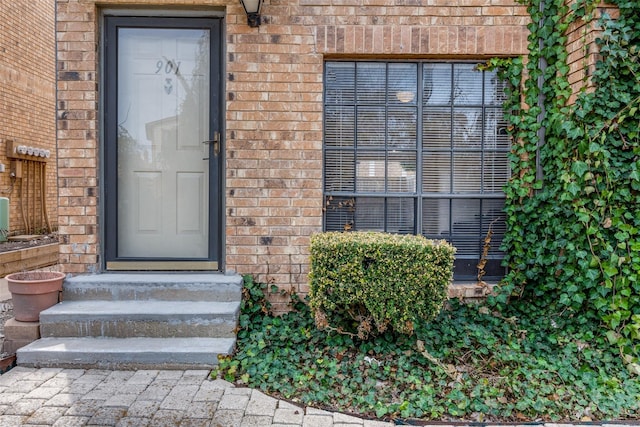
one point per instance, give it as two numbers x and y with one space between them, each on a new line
351 205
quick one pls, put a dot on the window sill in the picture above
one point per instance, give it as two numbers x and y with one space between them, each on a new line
470 290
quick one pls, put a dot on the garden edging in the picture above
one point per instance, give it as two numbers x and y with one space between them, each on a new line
28 259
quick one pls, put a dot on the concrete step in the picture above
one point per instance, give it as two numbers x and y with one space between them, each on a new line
154 286
125 319
139 321
125 353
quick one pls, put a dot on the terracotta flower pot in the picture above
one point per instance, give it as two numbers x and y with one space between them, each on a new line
34 291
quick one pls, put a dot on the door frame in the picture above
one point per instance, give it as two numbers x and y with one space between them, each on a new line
109 190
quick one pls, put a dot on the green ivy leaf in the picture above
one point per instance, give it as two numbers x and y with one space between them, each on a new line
579 168
573 188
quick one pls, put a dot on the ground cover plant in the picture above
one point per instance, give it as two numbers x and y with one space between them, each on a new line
470 363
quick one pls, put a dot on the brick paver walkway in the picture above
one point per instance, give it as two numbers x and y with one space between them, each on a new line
78 397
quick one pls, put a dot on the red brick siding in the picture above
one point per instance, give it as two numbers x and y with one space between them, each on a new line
273 188
27 104
583 51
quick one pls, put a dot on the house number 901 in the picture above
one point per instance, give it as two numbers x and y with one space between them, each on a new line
169 66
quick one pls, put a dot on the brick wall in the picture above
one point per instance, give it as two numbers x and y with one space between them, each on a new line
27 106
273 188
582 49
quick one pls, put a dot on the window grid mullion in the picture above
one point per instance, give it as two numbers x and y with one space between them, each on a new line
450 230
480 237
386 137
419 147
386 148
451 133
386 215
354 148
482 140
356 110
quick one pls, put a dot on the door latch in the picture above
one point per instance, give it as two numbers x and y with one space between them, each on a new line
216 143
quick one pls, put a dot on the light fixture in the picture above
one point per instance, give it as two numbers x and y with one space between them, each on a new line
252 9
405 96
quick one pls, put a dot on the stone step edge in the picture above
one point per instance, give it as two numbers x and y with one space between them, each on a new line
150 279
82 290
125 353
134 310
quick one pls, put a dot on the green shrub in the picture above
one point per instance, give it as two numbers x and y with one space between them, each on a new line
366 282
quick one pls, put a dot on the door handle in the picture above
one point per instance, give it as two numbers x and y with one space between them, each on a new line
216 143
216 147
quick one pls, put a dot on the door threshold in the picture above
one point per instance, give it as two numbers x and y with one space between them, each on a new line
162 265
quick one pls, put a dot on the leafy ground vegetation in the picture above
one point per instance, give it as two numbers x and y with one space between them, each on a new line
470 363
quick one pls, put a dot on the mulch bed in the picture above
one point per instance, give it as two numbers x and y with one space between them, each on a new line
36 240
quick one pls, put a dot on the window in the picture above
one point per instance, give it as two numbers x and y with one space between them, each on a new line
418 147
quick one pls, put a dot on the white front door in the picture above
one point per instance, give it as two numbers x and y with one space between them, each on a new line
163 149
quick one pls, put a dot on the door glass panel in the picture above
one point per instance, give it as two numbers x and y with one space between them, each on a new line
163 167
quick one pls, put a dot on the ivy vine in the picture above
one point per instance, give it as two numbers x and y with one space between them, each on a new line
573 202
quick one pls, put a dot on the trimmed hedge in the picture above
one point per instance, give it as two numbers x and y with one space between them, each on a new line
363 283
